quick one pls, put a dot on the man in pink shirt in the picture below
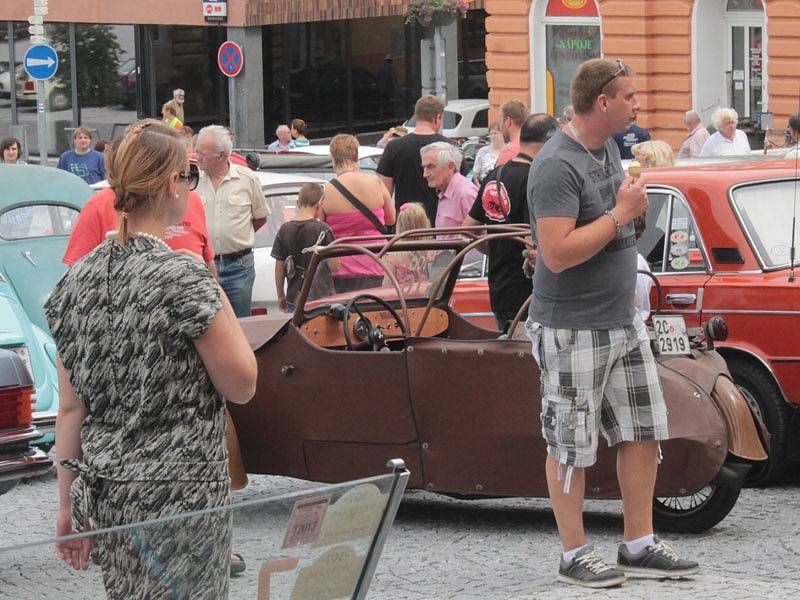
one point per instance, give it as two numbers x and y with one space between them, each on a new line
512 115
698 135
441 162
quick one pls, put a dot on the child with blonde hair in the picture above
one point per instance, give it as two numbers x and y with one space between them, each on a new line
411 266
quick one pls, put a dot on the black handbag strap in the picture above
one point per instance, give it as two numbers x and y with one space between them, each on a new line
360 206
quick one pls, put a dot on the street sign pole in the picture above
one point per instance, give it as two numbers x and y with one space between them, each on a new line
36 29
41 122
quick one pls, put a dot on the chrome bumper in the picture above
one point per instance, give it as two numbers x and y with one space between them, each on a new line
45 421
17 460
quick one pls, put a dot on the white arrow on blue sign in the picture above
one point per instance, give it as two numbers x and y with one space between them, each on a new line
41 62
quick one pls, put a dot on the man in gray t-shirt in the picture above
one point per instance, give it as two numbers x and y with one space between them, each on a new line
597 371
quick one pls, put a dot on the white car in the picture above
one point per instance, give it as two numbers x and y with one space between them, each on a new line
314 159
462 119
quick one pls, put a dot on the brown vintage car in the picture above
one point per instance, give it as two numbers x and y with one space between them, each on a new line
352 380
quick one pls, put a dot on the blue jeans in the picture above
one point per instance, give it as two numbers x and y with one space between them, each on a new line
236 278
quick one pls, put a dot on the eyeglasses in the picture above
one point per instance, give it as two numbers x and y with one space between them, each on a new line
192 176
623 70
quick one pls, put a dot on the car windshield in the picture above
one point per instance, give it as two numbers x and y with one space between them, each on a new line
37 220
766 211
417 273
282 208
449 121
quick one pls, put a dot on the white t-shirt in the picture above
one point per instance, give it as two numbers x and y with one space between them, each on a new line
719 145
641 298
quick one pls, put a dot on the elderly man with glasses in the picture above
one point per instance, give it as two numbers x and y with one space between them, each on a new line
235 210
597 371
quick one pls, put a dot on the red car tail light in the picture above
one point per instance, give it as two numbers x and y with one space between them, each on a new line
16 407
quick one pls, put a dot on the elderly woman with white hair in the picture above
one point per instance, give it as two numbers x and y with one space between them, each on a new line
441 162
727 140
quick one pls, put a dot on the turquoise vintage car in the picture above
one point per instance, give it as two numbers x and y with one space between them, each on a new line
38 207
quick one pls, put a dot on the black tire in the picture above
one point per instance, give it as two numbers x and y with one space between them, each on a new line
700 511
761 391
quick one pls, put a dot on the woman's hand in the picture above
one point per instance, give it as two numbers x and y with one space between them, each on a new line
73 552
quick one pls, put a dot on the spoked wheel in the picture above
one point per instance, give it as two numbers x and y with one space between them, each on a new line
703 509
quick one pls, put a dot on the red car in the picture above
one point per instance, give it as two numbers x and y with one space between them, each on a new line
719 239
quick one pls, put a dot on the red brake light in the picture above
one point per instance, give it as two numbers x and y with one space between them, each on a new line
16 407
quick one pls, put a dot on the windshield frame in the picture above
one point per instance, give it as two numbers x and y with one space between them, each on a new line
377 246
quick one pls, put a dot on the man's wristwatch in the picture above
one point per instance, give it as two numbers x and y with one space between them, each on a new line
617 225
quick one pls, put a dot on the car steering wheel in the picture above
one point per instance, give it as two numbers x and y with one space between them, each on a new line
363 327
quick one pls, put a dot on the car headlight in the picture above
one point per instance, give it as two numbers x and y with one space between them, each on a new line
717 329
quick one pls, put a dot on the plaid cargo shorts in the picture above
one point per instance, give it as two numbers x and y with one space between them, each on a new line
597 380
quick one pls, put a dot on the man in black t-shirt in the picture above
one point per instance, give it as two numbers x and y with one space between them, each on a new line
501 200
400 167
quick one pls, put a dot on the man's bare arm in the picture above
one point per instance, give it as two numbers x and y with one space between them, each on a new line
562 245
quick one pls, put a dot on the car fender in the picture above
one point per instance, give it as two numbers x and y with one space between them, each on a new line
708 371
751 352
747 435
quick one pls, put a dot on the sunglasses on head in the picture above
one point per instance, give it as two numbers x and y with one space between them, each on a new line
192 176
622 70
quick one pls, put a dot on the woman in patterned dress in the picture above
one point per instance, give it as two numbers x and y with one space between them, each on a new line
140 432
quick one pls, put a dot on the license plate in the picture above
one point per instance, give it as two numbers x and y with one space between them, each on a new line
671 335
25 357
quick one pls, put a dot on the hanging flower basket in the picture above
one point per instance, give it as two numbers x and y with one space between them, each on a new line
436 13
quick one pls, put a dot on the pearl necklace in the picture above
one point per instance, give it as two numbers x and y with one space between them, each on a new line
577 135
155 239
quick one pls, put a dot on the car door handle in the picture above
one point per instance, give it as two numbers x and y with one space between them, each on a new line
681 299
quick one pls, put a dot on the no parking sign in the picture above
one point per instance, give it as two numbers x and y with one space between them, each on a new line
230 58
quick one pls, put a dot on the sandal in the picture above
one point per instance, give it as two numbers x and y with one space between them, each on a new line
238 565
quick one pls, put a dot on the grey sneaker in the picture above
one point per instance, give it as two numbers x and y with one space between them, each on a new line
657 560
589 570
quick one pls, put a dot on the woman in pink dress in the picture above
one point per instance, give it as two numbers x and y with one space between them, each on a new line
356 204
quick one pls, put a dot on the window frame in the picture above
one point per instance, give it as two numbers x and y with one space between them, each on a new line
674 195
52 206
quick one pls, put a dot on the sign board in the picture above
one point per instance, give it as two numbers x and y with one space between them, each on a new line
230 58
40 62
215 10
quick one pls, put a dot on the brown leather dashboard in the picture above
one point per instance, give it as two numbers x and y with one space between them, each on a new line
325 331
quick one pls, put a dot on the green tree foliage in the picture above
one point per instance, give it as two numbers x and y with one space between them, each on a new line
98 58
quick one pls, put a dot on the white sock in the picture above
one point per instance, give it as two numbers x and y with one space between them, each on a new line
639 544
570 554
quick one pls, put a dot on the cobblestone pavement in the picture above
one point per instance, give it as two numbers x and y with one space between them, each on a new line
489 549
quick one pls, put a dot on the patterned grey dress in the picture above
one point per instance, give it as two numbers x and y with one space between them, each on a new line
124 319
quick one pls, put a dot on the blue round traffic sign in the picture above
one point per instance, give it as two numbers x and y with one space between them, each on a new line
40 62
230 59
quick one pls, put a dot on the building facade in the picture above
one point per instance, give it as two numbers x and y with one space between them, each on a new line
687 54
341 65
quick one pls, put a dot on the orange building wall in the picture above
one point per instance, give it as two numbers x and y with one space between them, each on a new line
653 37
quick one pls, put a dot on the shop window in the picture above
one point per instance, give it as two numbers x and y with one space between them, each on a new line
472 56
744 5
565 34
359 75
